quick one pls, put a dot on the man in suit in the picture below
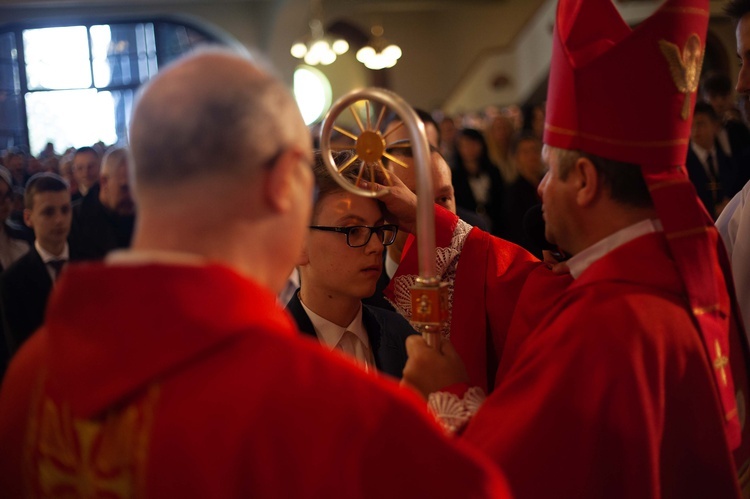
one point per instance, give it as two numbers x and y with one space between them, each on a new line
85 168
26 285
733 135
104 219
341 263
709 168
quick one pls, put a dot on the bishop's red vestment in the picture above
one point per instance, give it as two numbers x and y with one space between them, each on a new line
603 386
157 380
612 395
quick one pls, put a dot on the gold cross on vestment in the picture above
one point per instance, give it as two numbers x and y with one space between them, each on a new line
721 362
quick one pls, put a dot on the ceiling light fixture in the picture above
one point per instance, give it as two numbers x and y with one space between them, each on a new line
318 48
378 53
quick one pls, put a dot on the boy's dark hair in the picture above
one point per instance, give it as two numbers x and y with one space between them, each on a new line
522 136
43 182
716 84
84 150
324 181
707 109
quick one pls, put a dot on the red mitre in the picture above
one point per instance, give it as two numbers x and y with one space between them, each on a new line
627 94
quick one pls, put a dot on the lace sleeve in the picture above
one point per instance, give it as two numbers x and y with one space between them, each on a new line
446 264
452 412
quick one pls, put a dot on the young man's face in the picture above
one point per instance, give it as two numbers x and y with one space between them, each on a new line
86 169
333 267
50 217
703 131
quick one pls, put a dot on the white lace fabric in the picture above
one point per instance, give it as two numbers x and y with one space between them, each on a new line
446 263
452 412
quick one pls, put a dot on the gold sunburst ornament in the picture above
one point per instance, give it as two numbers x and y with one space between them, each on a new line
685 67
369 148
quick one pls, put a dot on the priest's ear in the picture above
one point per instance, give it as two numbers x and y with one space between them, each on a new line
587 181
282 181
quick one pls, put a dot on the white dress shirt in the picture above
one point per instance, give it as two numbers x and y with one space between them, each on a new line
352 340
291 287
47 257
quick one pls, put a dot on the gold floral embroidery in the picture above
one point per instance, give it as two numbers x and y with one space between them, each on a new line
105 457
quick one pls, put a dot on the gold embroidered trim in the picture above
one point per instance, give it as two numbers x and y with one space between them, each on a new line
685 67
720 364
731 414
706 310
637 143
687 233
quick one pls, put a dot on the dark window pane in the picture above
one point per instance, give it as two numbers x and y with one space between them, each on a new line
12 130
9 80
174 40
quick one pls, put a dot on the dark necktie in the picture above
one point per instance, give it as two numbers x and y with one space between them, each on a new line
712 166
57 266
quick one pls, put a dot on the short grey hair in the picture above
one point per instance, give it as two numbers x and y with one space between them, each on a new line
221 126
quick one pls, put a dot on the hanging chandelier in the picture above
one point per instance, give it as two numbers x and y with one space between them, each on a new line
318 48
378 53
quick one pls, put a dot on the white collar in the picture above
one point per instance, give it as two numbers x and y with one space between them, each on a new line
330 334
702 153
141 257
583 260
48 257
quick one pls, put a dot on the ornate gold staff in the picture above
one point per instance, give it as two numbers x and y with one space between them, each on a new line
429 297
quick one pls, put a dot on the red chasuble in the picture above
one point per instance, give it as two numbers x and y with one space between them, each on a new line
493 283
612 395
188 381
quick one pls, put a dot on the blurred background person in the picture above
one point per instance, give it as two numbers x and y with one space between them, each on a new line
477 182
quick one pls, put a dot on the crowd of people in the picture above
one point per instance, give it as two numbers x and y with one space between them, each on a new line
593 347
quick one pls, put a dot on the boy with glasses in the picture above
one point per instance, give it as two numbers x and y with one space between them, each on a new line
340 265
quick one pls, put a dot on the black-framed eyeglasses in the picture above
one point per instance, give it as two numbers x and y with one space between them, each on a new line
359 235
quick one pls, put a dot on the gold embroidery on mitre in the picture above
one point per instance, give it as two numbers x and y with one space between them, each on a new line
615 142
721 362
91 458
685 67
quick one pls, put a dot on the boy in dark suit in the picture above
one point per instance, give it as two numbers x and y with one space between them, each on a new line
26 285
340 265
710 170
